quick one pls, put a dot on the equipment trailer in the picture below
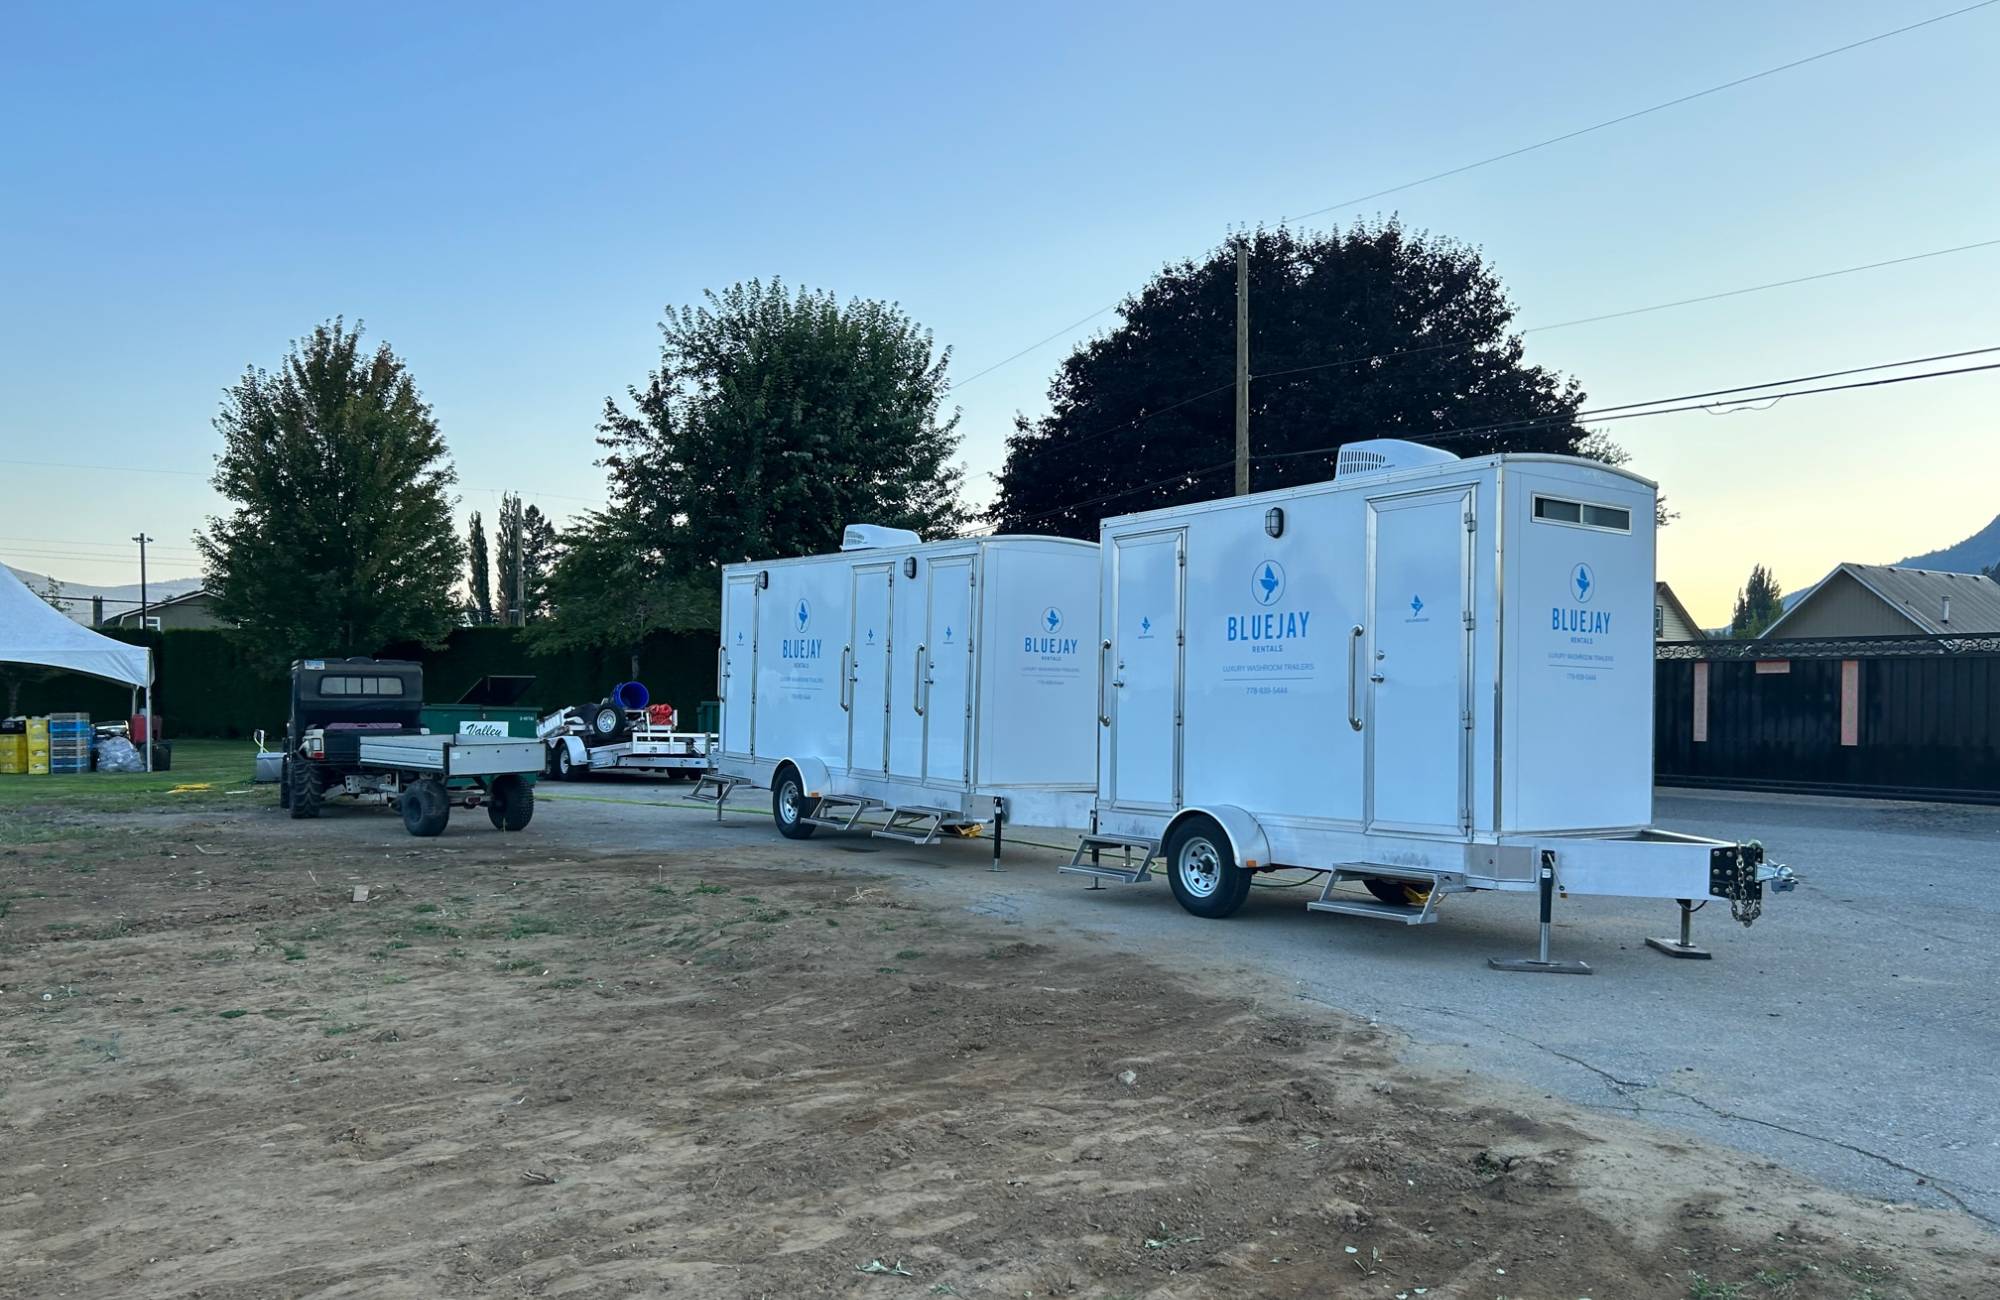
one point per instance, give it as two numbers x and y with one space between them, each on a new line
355 732
624 733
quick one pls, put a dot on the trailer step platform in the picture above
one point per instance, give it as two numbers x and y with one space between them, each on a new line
1095 844
1434 885
715 788
916 824
840 812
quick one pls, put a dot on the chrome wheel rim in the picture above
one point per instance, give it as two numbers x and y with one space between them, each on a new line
788 802
1200 868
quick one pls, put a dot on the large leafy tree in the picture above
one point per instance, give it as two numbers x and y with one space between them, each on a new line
1758 604
774 419
1374 331
340 536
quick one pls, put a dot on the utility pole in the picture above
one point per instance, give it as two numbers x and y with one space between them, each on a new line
142 539
1243 369
520 579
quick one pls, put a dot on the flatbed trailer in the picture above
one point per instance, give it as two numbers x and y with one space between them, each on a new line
642 746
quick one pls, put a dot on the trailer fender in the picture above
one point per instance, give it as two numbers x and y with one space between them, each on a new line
1246 837
813 775
579 755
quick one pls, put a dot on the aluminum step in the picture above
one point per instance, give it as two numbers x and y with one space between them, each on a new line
1125 872
916 824
1436 885
840 812
715 788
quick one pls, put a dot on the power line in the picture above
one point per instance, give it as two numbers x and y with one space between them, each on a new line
1531 148
1667 406
1364 358
1644 112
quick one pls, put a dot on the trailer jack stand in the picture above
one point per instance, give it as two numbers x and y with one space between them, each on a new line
999 820
1541 965
1683 946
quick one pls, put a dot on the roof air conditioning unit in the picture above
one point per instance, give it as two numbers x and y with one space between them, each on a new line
872 537
1380 455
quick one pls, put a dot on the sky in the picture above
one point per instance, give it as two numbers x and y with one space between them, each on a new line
511 195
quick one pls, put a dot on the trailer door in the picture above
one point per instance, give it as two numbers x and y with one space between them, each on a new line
1419 647
738 667
947 685
1143 694
866 689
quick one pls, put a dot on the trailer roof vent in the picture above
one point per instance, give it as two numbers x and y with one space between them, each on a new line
870 537
1379 455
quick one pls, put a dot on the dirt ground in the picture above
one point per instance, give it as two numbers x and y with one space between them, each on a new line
507 1073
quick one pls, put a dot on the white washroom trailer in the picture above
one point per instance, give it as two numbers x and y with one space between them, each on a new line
1425 676
912 688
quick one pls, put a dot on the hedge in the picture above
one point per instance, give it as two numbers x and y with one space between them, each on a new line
205 686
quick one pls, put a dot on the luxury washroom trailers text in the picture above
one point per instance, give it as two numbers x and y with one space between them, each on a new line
912 687
1426 675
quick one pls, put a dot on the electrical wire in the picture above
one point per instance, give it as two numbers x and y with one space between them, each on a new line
1646 112
1532 148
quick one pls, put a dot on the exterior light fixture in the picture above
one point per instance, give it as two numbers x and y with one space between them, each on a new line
763 579
909 566
1274 521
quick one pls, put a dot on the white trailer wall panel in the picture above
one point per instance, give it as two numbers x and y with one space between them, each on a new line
1407 659
972 677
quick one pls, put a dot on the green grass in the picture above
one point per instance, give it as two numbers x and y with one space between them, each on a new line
220 765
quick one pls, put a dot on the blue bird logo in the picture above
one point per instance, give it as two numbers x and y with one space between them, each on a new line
1416 604
1268 584
1145 624
805 615
1582 579
1053 618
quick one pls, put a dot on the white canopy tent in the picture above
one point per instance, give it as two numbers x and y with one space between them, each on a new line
32 631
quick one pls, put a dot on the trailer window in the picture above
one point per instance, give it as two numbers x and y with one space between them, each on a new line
365 686
1584 514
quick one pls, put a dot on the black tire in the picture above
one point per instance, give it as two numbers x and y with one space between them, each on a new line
789 805
307 788
425 807
606 720
549 768
566 767
285 783
1201 867
510 803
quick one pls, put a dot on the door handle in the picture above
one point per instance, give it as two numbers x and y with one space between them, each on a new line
1103 676
917 683
846 658
1353 671
721 670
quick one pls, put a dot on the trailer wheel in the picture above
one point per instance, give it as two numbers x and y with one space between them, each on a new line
790 807
1201 867
510 803
306 789
425 808
566 768
607 720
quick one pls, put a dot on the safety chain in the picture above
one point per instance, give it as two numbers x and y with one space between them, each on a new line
1746 898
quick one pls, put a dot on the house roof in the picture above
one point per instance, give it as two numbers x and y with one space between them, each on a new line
1918 595
1664 594
198 593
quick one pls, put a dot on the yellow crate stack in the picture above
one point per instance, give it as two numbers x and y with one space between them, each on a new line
38 746
13 754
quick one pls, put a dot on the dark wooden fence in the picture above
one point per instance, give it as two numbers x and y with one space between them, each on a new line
1885 717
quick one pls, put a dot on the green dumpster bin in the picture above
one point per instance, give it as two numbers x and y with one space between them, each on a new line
491 708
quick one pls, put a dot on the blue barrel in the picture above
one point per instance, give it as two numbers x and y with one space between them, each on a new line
630 696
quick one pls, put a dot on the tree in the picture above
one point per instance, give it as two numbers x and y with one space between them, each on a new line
341 537
773 420
480 578
1758 605
1370 332
524 532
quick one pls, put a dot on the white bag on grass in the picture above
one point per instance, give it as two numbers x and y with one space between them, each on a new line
117 754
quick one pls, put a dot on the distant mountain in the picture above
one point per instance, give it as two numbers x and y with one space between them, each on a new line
1975 553
117 600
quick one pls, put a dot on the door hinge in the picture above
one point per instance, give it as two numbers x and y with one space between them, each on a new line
1468 618
1466 718
1470 524
1180 638
1180 558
